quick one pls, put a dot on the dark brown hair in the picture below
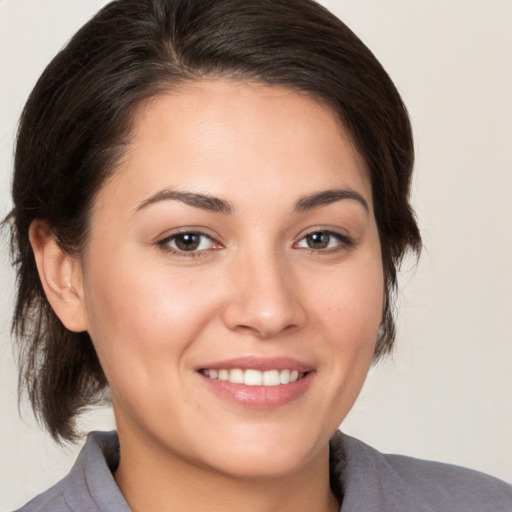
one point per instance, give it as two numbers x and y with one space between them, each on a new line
77 121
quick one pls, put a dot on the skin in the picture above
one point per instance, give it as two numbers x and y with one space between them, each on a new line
255 288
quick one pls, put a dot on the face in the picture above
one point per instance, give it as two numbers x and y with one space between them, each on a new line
232 282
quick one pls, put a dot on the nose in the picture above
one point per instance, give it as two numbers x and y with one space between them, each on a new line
264 299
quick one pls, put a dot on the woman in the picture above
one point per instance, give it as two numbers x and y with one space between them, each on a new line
218 203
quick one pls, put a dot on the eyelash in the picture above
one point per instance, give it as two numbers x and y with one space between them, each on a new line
165 244
344 243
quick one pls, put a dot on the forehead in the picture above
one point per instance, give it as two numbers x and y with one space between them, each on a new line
225 137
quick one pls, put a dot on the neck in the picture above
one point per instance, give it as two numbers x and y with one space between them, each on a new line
152 480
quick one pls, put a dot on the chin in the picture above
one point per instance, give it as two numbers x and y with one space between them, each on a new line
263 466
263 453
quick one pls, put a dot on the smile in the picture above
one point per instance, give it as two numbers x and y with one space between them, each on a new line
253 377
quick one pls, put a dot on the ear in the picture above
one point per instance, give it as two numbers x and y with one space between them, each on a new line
61 276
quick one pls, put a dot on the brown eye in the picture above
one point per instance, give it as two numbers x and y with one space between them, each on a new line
324 240
318 240
188 242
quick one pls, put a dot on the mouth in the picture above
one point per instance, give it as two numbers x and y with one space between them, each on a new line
254 377
258 383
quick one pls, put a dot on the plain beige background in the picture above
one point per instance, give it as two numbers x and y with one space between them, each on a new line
446 393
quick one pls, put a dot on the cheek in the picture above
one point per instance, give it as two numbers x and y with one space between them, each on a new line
141 317
351 303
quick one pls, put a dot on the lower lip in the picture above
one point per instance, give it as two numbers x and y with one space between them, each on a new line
259 397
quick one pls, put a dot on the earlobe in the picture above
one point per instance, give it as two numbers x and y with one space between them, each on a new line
61 276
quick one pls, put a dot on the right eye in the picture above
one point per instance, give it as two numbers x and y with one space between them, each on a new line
187 243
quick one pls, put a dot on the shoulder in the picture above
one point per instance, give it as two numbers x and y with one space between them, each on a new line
398 483
446 485
89 486
49 501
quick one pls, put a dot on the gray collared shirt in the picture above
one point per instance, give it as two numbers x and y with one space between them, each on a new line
364 479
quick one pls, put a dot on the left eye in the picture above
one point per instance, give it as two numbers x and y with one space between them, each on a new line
322 240
189 242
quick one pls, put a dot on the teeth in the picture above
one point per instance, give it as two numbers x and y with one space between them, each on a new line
271 378
254 377
236 376
284 376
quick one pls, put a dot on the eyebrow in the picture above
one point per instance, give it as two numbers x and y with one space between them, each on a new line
214 204
327 197
203 201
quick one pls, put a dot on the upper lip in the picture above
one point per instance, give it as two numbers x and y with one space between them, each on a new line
258 363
